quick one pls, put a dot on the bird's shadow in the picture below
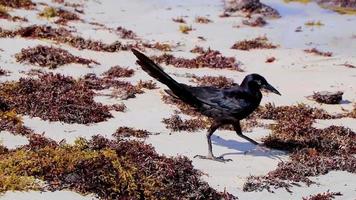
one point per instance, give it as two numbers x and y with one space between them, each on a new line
245 148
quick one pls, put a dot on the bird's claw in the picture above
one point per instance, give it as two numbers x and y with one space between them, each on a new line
219 159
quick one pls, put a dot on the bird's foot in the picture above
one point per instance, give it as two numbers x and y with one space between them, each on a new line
211 157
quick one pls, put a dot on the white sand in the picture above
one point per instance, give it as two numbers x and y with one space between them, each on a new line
295 74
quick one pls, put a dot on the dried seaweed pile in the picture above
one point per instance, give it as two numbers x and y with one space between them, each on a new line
215 81
51 57
179 20
55 98
27 4
323 196
176 123
124 132
210 58
62 35
64 16
126 34
202 20
257 43
122 89
117 72
318 52
109 169
250 7
254 22
5 15
313 151
327 97
12 122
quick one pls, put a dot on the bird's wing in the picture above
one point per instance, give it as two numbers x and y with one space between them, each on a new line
222 99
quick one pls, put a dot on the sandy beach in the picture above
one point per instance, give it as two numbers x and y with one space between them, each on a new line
294 72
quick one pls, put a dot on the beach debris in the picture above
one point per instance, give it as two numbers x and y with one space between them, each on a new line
215 81
257 43
125 33
119 72
298 29
26 4
5 15
201 38
352 113
106 168
323 196
313 23
185 28
150 85
340 6
179 20
4 72
56 97
119 107
198 49
348 65
64 16
176 123
120 89
327 97
51 57
318 52
313 151
123 132
202 20
210 59
62 35
250 7
254 21
270 59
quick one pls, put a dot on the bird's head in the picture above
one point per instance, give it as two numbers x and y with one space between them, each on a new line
257 81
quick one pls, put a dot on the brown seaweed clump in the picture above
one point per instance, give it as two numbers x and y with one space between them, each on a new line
257 43
176 123
106 168
313 151
323 196
123 132
62 35
121 89
26 4
64 16
250 7
179 20
215 81
318 52
118 72
54 97
51 57
327 97
210 58
125 33
254 22
203 20
5 15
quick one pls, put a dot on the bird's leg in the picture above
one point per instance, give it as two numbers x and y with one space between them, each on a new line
238 131
210 155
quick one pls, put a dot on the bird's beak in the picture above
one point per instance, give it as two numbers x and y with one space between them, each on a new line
271 88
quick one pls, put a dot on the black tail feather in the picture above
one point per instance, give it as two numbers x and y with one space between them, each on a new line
157 72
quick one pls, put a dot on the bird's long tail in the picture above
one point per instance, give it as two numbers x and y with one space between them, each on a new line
157 72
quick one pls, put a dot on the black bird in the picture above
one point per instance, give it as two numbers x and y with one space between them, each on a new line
224 106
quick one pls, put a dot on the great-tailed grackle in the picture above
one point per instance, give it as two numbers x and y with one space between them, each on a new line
224 106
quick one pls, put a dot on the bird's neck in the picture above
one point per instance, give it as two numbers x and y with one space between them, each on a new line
251 88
